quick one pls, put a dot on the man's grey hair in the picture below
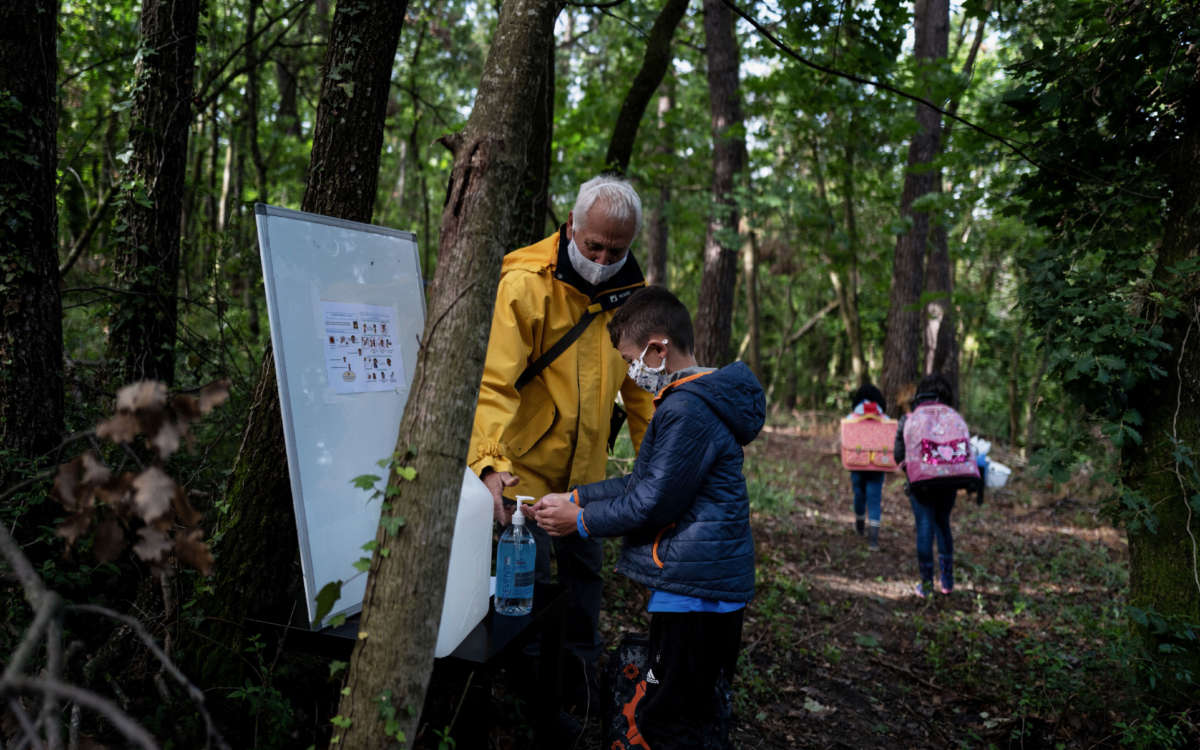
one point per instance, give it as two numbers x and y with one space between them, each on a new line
618 198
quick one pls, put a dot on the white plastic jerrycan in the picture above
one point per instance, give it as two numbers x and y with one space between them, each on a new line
469 574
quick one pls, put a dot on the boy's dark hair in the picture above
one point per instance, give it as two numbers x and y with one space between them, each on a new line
649 311
938 386
868 392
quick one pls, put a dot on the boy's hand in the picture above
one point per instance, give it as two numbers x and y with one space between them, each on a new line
556 514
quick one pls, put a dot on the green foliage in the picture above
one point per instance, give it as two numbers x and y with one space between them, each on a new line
274 715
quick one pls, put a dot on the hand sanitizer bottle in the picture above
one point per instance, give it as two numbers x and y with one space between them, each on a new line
514 566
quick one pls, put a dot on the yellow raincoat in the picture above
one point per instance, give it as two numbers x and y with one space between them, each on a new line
553 433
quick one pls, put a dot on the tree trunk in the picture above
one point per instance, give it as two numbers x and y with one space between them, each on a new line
258 574
390 666
654 67
847 300
145 316
941 339
657 225
31 340
1014 385
714 313
535 184
941 321
902 344
750 274
850 317
1163 567
1031 403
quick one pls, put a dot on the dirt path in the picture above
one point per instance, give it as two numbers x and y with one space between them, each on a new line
839 652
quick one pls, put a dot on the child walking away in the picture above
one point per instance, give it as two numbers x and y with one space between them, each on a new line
934 447
685 515
868 435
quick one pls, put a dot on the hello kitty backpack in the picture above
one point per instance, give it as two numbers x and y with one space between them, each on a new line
938 451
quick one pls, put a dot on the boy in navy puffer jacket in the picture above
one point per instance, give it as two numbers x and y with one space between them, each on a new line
685 515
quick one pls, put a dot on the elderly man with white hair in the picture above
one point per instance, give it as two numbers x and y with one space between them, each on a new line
547 399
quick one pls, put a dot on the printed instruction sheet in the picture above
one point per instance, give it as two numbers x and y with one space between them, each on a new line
360 354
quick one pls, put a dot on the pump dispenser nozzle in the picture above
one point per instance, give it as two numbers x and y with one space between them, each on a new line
518 516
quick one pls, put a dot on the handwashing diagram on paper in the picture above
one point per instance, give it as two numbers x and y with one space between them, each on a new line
360 354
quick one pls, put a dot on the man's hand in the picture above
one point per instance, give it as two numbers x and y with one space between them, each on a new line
496 481
557 514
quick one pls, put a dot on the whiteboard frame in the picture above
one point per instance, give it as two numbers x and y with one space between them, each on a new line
404 251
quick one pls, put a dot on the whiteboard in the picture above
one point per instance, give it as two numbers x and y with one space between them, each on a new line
323 275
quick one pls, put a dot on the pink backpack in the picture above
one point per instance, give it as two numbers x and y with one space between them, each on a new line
868 441
937 449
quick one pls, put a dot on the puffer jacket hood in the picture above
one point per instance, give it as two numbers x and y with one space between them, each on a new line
734 395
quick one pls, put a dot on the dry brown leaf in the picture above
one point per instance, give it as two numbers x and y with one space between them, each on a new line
152 545
150 421
166 439
153 491
109 541
75 526
94 470
187 515
186 406
116 494
66 483
120 429
142 395
213 395
191 550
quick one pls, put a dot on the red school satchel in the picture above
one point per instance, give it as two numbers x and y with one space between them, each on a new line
869 441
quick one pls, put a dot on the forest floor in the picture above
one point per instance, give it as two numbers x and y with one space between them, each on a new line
1030 650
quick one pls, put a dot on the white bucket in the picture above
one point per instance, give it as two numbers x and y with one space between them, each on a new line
997 474
467 578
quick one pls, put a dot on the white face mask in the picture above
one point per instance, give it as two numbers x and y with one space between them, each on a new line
652 380
592 272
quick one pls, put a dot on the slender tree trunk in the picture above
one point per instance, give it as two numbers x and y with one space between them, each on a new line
903 342
654 67
145 316
657 225
31 341
714 314
390 667
842 289
850 317
1164 557
1031 403
252 75
257 575
1014 385
750 274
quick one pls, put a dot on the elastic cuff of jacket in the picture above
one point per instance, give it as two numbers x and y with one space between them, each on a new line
490 456
574 496
580 526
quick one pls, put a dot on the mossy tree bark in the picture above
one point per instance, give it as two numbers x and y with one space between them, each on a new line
145 316
393 657
31 344
1164 468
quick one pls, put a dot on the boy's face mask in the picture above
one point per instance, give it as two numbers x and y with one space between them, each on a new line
649 379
